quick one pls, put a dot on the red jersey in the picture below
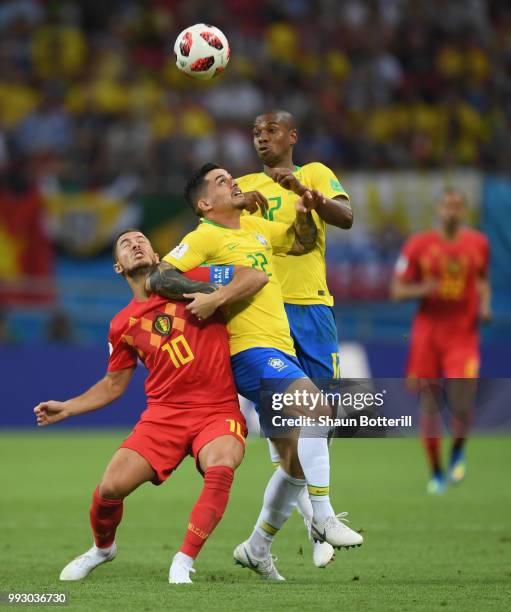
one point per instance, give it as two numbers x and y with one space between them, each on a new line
187 359
456 264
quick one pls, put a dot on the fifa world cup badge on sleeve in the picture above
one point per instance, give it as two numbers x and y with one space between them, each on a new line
179 251
221 275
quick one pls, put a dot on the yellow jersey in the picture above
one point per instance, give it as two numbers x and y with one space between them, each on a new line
304 283
259 321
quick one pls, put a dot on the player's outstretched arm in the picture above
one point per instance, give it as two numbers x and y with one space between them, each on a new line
246 282
170 283
484 292
334 211
99 395
401 290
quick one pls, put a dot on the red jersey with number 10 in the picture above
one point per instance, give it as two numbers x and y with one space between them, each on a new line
187 359
456 265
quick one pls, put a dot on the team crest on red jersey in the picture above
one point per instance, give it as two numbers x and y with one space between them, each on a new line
454 267
162 324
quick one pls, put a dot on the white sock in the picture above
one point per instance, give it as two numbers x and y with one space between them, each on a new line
321 509
185 559
304 504
315 462
279 502
275 458
102 551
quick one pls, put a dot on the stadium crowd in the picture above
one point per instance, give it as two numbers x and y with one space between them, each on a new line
95 119
89 89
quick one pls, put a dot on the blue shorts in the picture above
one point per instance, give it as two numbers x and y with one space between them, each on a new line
252 366
313 330
314 333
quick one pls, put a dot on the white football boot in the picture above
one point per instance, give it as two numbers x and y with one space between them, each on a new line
334 531
84 564
323 553
264 567
179 572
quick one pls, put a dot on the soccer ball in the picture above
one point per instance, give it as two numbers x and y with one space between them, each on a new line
202 51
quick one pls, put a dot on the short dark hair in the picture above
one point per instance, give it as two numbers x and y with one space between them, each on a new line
281 116
119 236
195 184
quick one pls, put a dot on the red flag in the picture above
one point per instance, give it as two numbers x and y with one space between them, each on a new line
26 253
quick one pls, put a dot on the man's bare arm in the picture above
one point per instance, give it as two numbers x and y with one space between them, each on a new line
304 227
306 234
245 283
484 291
399 290
255 202
168 282
334 211
99 395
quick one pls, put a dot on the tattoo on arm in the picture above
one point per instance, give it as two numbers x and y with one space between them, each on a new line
170 283
306 234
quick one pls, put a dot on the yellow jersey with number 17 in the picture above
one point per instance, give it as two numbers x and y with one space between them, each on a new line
261 320
303 280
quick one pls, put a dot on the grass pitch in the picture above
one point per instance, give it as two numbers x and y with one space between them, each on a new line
420 553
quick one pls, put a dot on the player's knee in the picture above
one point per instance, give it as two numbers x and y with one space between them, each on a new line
292 467
228 459
229 462
111 489
290 462
225 450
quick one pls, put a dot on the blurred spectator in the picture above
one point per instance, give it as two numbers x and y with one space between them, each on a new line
59 328
6 335
14 11
58 46
374 83
48 128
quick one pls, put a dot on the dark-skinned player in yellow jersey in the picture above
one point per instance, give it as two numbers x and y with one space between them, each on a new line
272 193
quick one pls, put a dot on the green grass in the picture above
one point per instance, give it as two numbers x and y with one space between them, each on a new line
420 553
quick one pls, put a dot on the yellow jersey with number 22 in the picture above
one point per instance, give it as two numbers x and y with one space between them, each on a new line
259 321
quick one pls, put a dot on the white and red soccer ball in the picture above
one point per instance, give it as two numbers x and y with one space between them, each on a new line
202 51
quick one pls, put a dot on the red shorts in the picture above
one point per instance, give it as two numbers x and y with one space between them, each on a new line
440 352
165 442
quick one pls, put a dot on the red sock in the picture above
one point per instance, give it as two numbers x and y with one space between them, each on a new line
105 516
208 509
431 430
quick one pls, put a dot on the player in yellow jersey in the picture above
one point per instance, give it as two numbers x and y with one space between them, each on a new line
308 302
260 341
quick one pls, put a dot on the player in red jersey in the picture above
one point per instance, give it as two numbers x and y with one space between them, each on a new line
447 270
192 405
